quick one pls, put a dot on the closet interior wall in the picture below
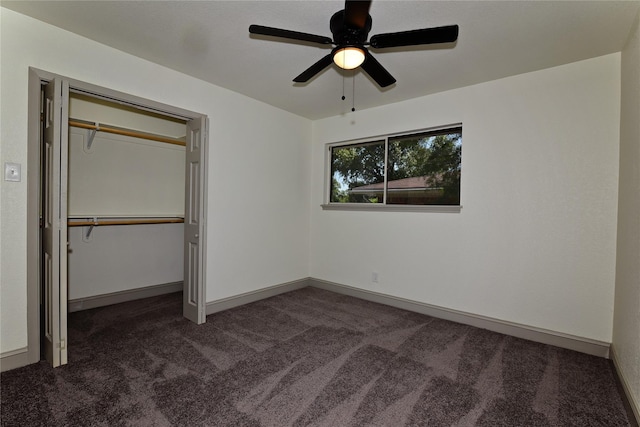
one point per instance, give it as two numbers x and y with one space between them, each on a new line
123 179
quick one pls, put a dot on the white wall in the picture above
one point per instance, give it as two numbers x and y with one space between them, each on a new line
258 206
84 107
535 241
119 258
124 176
626 325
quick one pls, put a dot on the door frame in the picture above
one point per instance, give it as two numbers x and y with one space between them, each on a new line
34 178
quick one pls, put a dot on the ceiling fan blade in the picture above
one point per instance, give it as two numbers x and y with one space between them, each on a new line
415 37
306 75
288 34
377 72
356 13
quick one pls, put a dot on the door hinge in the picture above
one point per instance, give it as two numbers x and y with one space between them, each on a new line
63 344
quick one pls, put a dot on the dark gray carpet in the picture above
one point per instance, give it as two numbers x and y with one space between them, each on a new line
308 357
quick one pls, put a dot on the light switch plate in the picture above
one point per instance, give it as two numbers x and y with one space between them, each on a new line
12 172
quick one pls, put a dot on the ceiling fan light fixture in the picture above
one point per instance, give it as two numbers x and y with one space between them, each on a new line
348 57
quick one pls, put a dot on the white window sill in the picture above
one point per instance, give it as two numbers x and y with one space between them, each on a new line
390 208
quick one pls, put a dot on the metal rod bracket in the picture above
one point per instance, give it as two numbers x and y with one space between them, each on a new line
91 134
87 235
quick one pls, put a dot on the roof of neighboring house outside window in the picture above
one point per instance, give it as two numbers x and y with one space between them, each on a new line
414 183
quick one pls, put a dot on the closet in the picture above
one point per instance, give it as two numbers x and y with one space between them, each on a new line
116 205
126 186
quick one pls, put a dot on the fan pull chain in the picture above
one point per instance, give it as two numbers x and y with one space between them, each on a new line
353 96
353 91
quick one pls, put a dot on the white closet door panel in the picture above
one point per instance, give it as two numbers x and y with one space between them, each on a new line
54 243
194 223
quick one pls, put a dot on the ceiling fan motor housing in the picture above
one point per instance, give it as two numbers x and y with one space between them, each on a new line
345 35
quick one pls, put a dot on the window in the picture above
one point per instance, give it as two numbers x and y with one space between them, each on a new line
418 169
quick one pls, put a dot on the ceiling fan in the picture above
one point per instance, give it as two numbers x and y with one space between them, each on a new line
350 28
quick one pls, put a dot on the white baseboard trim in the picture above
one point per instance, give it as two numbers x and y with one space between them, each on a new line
14 359
558 339
248 297
123 296
633 400
17 358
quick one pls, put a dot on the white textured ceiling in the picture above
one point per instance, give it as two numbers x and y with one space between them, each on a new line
210 40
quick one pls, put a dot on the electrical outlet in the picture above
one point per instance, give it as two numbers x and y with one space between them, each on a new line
12 172
374 277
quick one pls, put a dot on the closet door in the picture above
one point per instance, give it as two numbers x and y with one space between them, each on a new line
193 299
56 155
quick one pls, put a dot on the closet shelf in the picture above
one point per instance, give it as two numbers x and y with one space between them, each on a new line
99 127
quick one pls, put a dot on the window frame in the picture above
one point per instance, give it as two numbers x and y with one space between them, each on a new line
383 207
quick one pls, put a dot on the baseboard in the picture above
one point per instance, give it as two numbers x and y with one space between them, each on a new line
634 404
14 359
123 296
248 297
17 358
558 339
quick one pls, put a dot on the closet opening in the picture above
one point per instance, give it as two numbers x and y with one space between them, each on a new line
125 203
117 209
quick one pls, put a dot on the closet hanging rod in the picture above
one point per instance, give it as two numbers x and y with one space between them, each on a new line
126 132
74 223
